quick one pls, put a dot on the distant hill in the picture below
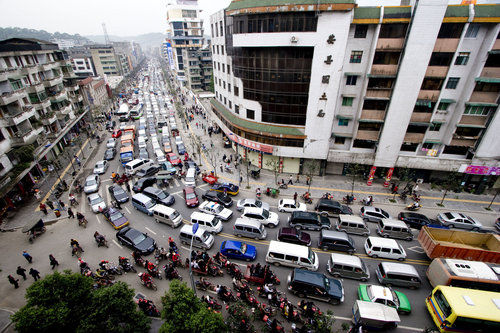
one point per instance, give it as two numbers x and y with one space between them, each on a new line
15 32
153 39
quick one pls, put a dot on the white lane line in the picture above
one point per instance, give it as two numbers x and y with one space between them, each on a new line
105 180
177 193
185 248
98 219
128 211
410 328
108 196
154 233
116 243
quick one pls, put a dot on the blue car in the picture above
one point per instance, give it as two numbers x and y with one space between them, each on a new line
238 250
229 188
168 167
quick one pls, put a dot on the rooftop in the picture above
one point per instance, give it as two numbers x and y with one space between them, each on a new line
265 6
26 44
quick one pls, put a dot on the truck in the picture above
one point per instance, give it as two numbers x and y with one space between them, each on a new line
458 244
123 110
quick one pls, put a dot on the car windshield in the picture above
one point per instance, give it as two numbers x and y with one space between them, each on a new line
258 203
90 182
190 196
118 191
149 204
174 215
311 256
265 213
243 248
449 216
96 201
138 238
99 165
162 195
395 297
218 209
115 216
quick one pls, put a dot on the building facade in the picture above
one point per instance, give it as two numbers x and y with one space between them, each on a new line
396 86
105 60
93 91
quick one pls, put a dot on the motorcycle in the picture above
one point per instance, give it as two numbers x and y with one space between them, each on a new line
273 325
283 185
101 241
127 267
148 307
73 202
367 202
83 222
262 292
307 198
249 298
150 284
161 254
211 302
34 231
258 195
171 273
204 285
289 312
110 268
327 196
348 199
155 273
234 271
308 309
414 206
226 296
76 250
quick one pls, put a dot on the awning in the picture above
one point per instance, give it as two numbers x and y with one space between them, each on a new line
438 122
446 100
353 74
488 79
420 123
371 121
339 116
471 126
480 104
432 141
423 102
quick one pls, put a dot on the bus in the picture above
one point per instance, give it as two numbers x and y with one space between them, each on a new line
136 112
456 309
463 273
127 140
126 154
129 129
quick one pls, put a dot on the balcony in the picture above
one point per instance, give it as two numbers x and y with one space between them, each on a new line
26 137
367 135
52 82
6 73
29 69
72 88
49 66
35 88
378 93
384 70
490 72
484 97
40 105
24 114
373 115
61 96
436 71
431 95
473 121
420 117
48 118
390 43
12 96
446 44
66 110
462 142
414 137
496 45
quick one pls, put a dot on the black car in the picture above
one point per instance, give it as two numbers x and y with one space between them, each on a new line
147 171
159 196
414 220
218 197
118 193
304 283
332 208
308 221
124 118
109 154
191 164
142 183
136 240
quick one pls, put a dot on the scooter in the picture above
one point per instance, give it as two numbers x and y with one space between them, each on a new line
307 199
414 206
348 199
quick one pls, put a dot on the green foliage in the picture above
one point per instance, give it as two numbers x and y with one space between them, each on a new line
239 315
451 183
184 312
24 154
15 32
310 168
68 303
324 322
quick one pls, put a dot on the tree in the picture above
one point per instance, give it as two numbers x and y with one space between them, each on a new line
323 323
274 166
184 312
68 302
239 318
196 145
212 156
451 183
353 170
310 168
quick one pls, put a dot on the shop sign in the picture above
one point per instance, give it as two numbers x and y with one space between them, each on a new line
251 144
480 170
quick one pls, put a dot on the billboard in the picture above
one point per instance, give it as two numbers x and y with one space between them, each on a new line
170 56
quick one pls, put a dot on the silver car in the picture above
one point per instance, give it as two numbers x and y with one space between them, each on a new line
250 202
96 202
111 143
91 184
101 167
459 220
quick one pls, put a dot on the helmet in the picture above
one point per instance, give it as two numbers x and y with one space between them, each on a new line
140 274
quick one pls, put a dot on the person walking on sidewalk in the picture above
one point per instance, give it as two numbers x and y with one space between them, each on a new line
297 180
34 273
21 272
71 215
50 204
77 160
290 180
13 281
53 261
295 197
308 180
43 208
28 257
61 203
221 168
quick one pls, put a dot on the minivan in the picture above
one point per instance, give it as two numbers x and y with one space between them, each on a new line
159 196
373 214
211 223
167 215
143 203
132 166
384 248
201 239
308 220
160 156
336 241
352 225
292 255
395 274
142 142
191 177
178 139
394 229
347 266
248 228
264 216
332 208
315 285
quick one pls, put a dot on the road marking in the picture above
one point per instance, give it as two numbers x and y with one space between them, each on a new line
116 243
417 249
185 248
105 180
154 233
108 196
98 219
128 211
411 328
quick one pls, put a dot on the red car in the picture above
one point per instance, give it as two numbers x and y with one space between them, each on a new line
173 159
190 197
116 133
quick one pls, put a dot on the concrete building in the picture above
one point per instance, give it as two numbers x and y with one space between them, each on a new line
105 60
184 44
335 83
94 91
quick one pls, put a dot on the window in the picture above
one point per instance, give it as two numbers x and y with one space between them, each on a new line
347 101
435 127
351 80
217 49
478 110
223 68
218 65
462 58
360 30
339 140
221 31
228 69
212 29
236 109
230 105
225 101
443 106
222 49
250 114
472 30
343 122
236 91
229 87
452 83
224 84
356 57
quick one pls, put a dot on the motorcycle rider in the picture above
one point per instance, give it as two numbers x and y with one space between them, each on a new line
83 265
307 196
146 279
80 217
72 199
368 200
176 259
221 291
151 267
100 239
104 264
259 193
169 271
122 261
268 288
74 243
171 244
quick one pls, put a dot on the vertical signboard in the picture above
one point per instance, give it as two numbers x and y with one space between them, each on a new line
170 56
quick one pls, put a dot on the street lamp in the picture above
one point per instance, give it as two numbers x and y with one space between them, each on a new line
195 229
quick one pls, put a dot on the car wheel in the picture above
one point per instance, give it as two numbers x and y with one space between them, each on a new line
375 256
247 259
409 239
451 226
365 219
277 264
336 275
401 259
270 225
238 235
363 279
385 235
334 301
475 229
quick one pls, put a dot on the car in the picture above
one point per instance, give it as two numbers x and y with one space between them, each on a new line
91 184
167 148
414 220
116 133
309 220
172 158
251 202
295 236
373 214
304 283
167 166
159 196
147 171
459 220
290 206
111 143
225 187
124 118
264 216
497 225
332 208
191 164
218 197
118 193
143 154
115 218
101 167
238 250
214 208
385 296
137 240
96 202
109 154
142 183
190 196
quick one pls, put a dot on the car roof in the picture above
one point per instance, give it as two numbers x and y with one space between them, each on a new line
91 177
399 267
288 201
94 196
380 292
255 210
309 277
329 202
231 244
288 231
371 209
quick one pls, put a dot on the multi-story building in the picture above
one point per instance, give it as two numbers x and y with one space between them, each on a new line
185 36
105 60
94 91
392 86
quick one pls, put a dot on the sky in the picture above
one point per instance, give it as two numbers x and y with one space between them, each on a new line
122 18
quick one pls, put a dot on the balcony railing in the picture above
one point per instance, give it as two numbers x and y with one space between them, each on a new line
463 142
484 97
414 137
431 95
372 115
390 43
368 135
384 69
12 96
446 44
420 117
491 72
473 121
378 93
436 71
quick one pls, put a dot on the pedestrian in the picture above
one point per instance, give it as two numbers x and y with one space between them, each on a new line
221 169
53 261
297 180
290 180
43 208
117 204
241 179
50 204
78 161
127 186
13 281
415 189
231 157
27 256
21 271
224 158
34 273
308 180
71 215
61 203
295 197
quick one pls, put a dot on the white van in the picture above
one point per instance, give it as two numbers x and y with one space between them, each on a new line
160 156
248 228
142 133
384 248
178 139
167 215
164 130
211 223
202 238
292 255
352 224
137 164
191 177
142 142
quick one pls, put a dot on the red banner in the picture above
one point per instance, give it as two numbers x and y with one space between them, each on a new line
251 144
388 177
371 175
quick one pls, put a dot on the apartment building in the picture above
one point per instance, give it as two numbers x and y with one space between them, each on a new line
81 61
333 83
106 61
94 91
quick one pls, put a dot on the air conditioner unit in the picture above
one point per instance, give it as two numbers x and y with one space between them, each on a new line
294 39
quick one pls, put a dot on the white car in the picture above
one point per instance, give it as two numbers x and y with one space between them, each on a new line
459 220
290 206
101 167
91 184
96 202
262 215
111 143
251 202
214 208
